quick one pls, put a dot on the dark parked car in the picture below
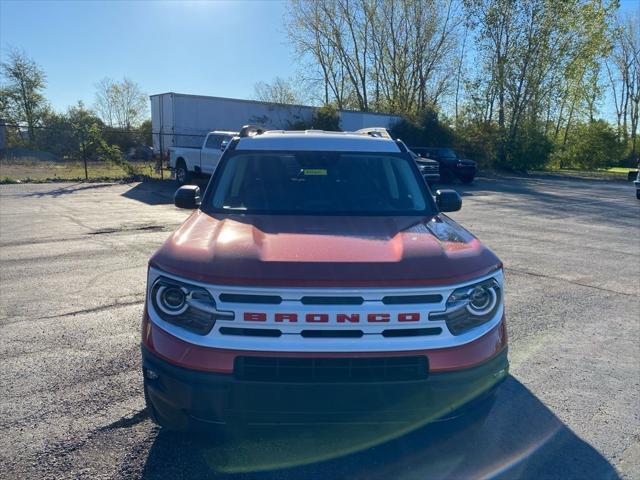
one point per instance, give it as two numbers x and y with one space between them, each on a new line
637 184
430 169
451 166
140 152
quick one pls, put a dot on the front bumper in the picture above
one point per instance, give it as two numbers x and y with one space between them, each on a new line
191 397
431 177
464 170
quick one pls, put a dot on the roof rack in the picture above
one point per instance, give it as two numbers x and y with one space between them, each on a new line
250 131
379 132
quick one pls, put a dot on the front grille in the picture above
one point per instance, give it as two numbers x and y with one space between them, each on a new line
331 333
331 300
251 332
412 332
243 298
411 299
318 370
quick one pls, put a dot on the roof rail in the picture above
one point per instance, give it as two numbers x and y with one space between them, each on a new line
379 132
250 131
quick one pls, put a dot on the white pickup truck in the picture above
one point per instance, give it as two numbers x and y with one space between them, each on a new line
185 162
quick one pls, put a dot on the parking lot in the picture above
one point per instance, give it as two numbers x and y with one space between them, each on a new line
72 277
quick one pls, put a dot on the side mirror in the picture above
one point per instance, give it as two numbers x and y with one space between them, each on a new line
223 144
448 200
187 196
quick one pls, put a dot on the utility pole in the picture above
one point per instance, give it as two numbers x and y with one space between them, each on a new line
83 150
161 154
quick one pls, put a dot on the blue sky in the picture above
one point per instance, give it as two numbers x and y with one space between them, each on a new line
210 48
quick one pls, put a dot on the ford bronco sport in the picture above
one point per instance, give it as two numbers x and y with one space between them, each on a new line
318 279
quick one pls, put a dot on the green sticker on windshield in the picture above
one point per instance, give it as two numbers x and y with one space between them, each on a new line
315 171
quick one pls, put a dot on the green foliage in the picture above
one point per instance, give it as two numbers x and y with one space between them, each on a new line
326 118
298 124
60 133
479 141
423 130
529 150
592 145
145 130
8 181
124 139
95 145
56 135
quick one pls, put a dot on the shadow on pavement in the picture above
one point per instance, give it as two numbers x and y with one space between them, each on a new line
157 192
69 189
520 438
152 192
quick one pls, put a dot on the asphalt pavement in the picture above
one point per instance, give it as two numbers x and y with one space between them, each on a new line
72 277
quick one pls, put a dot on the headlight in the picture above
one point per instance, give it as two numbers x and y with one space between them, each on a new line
471 306
185 305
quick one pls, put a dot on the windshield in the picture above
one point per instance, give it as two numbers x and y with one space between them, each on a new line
325 183
447 152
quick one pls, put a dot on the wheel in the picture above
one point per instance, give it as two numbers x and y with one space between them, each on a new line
446 176
466 179
183 175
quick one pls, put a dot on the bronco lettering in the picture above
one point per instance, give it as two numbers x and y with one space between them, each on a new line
339 317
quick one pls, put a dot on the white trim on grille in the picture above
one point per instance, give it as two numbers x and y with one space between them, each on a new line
372 339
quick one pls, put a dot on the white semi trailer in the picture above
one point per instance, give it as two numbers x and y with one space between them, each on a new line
180 120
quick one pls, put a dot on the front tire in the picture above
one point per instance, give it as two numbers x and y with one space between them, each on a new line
183 176
638 194
446 176
467 179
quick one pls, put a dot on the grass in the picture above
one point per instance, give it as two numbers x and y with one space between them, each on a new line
612 173
32 170
623 170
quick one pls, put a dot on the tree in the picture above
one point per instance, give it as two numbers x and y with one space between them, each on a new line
423 129
22 91
326 118
61 133
538 63
392 56
121 104
623 69
278 91
592 145
145 133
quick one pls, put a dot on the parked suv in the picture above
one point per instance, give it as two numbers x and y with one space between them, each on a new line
430 169
318 280
451 166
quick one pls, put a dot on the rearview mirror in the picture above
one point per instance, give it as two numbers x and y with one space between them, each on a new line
448 200
223 144
187 196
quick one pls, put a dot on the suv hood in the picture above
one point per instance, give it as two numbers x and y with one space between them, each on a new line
467 162
259 250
